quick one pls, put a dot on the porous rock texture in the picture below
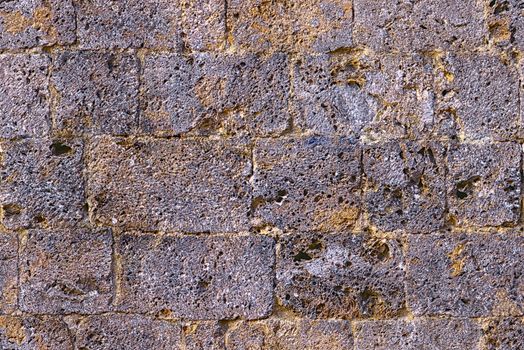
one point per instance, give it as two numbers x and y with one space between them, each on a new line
261 174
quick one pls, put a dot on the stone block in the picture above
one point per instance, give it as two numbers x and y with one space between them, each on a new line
505 24
197 278
506 333
8 272
183 185
66 271
28 332
95 92
41 183
340 276
24 95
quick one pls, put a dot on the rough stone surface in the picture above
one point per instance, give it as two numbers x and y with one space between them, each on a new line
118 331
205 335
41 183
194 185
196 277
421 25
505 24
442 334
8 272
64 271
32 333
24 95
32 23
507 333
483 184
405 187
340 275
208 94
306 183
95 92
465 275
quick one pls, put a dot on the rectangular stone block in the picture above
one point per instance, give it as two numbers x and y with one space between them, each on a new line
120 331
405 187
259 26
340 276
479 93
483 184
419 26
33 23
306 183
441 334
41 183
466 275
8 272
28 332
24 95
95 93
66 271
506 333
206 94
291 335
184 185
197 278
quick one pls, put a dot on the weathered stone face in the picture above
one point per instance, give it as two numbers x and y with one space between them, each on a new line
505 25
119 331
41 183
405 187
66 271
483 184
8 272
208 94
95 92
43 332
506 333
306 183
259 26
183 185
422 25
465 275
417 334
24 96
197 277
340 275
33 23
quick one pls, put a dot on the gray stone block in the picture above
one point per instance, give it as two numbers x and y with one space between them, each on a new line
183 185
24 96
203 24
483 184
310 183
422 25
405 188
41 183
505 24
8 272
340 276
441 334
465 275
28 333
33 23
196 278
66 271
503 334
207 94
95 93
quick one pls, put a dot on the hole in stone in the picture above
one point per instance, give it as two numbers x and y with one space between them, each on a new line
11 209
59 149
301 256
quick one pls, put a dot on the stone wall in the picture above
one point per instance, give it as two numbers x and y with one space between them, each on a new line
256 174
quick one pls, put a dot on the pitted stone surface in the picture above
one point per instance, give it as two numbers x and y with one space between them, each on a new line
405 187
184 185
422 25
208 94
465 275
95 92
505 24
24 95
33 23
120 331
8 272
65 271
506 333
41 183
197 277
483 184
306 183
442 334
340 275
209 335
260 26
28 333
480 93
